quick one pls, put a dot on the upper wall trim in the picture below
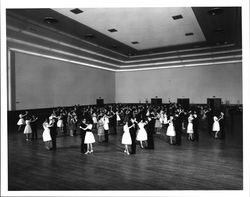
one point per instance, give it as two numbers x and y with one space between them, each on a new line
59 51
124 70
181 66
62 43
176 52
60 59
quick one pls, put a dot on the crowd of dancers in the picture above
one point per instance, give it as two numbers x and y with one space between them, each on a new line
139 122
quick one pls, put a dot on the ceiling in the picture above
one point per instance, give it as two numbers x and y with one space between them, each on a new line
120 38
142 28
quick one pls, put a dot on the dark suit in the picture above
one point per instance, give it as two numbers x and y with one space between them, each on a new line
82 134
53 134
178 129
150 133
196 128
132 132
33 125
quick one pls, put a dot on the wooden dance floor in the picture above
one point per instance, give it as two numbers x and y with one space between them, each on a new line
205 165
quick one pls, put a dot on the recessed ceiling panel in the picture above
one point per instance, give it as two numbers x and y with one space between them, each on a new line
150 27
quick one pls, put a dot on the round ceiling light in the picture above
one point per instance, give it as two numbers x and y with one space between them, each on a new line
215 11
50 20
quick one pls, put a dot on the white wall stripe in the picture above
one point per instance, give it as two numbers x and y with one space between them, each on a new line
58 51
124 70
182 56
180 66
60 59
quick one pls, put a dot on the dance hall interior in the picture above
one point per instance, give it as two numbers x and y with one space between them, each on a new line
124 99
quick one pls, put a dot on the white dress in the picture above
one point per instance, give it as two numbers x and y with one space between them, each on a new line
142 134
190 125
46 132
106 123
60 123
20 122
126 138
94 118
27 128
89 137
170 130
216 124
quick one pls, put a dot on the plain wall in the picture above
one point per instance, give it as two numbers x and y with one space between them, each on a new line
197 83
41 82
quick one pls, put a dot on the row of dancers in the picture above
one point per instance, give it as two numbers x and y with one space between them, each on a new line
140 123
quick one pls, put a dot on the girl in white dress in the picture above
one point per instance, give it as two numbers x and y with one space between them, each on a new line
158 124
142 134
216 125
21 122
27 129
46 135
190 129
171 130
89 137
100 129
165 120
60 123
94 119
126 138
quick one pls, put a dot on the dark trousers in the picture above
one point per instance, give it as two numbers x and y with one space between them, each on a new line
106 134
53 137
133 138
178 137
150 141
34 134
83 146
21 128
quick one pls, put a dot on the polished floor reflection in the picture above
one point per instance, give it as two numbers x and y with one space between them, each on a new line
205 165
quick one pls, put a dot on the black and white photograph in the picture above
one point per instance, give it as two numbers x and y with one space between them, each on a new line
103 98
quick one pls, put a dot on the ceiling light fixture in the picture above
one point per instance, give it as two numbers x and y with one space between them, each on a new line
76 11
112 30
135 42
89 36
177 17
189 34
215 11
50 20
219 30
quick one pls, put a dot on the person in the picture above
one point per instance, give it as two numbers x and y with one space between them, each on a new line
158 124
94 119
100 129
190 129
178 126
126 138
21 121
216 125
149 127
72 124
60 123
132 130
106 128
142 134
222 126
33 124
171 130
46 135
27 130
83 126
53 132
89 137
196 127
